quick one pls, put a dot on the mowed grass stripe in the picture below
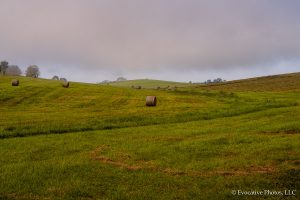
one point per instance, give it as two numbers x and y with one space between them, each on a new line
201 153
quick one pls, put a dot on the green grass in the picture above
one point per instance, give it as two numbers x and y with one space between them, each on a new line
275 83
102 142
148 83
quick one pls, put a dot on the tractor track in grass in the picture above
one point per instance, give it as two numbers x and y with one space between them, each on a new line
149 166
184 119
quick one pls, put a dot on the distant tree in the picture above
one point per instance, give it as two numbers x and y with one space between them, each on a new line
208 81
121 79
3 66
105 81
63 79
13 70
55 78
33 71
217 80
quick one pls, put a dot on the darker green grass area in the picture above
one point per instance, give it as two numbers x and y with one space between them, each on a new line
101 142
276 83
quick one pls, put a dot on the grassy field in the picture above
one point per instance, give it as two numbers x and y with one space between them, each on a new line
94 141
275 83
148 83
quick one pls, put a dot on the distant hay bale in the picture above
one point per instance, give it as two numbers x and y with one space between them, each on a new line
15 82
138 87
65 84
63 79
158 87
151 101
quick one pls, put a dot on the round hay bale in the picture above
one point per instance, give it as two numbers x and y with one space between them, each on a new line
66 84
15 82
138 87
151 101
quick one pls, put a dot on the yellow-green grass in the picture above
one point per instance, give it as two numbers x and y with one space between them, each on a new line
101 142
147 83
275 83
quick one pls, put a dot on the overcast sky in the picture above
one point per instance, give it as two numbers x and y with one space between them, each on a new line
183 40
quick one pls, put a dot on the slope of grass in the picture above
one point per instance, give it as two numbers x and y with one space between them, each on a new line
43 106
277 83
148 83
101 142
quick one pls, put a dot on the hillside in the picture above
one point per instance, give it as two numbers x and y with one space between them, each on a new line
92 141
107 107
148 83
283 82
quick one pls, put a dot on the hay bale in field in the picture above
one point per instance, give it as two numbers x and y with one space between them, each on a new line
15 82
66 84
138 87
151 101
63 79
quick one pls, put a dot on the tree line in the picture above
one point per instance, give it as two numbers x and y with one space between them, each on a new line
14 70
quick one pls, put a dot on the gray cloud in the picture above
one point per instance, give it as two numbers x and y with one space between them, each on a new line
147 37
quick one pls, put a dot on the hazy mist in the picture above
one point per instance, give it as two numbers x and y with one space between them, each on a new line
180 40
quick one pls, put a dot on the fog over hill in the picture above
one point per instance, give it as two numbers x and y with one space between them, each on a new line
179 40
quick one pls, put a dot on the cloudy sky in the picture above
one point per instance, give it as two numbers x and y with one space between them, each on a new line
93 40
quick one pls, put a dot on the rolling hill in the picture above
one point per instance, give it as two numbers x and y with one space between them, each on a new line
92 141
283 82
147 83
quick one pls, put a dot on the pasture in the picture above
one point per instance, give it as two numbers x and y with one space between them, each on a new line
92 141
147 83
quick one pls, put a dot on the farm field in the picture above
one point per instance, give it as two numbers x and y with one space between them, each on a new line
93 141
147 83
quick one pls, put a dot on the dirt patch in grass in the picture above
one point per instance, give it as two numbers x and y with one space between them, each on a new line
22 197
95 155
249 171
148 165
106 160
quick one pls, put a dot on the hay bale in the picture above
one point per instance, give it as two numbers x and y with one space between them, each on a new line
66 84
151 101
15 82
138 87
